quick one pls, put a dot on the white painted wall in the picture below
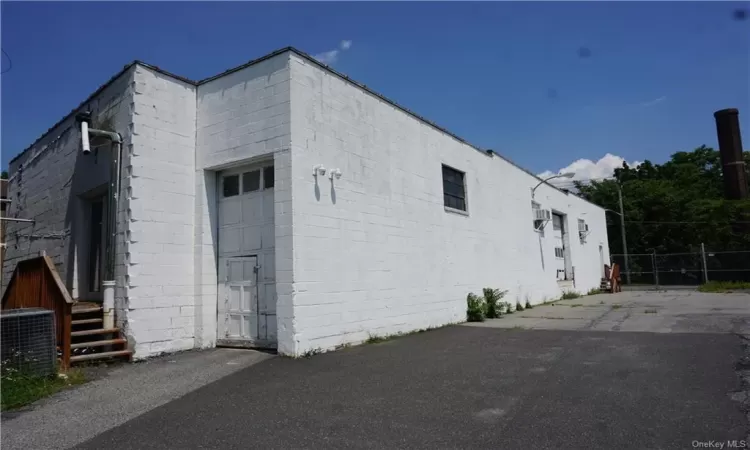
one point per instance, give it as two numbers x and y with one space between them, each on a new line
47 182
158 314
375 252
243 117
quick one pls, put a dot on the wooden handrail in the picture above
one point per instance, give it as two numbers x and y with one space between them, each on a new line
36 284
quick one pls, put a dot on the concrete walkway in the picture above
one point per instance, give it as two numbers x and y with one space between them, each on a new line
657 312
122 393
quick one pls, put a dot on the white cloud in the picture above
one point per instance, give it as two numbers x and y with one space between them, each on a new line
653 102
328 57
331 56
586 169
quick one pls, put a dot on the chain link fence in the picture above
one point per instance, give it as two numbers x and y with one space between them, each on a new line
684 269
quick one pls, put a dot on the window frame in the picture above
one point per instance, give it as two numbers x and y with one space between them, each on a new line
264 177
224 178
582 233
464 190
536 206
243 179
560 226
242 172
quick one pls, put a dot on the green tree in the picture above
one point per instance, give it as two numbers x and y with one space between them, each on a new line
673 207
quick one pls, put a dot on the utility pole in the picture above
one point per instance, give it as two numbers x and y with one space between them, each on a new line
622 230
705 266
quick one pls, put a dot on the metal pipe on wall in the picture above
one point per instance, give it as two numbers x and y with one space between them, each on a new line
109 282
622 230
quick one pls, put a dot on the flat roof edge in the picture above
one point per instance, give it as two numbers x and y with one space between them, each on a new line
315 62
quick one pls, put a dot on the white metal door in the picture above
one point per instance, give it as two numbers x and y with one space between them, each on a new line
238 306
557 234
247 257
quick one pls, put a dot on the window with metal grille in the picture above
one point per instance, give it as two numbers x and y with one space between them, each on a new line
454 189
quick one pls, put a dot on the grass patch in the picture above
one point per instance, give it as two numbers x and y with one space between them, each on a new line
650 311
594 291
616 306
311 352
724 286
567 295
20 390
376 339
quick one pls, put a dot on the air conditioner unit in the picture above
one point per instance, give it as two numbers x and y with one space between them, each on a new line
28 340
542 214
583 230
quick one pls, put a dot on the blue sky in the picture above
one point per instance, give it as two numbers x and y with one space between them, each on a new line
507 76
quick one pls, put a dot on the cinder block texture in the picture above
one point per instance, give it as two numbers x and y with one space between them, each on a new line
374 252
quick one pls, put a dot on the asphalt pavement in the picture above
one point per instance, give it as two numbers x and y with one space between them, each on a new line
116 395
468 388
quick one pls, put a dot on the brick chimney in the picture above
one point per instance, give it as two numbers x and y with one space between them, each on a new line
730 150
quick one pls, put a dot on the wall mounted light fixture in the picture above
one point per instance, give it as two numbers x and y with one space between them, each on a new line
318 169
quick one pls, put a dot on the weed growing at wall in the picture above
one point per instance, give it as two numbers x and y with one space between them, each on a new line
567 295
476 309
492 299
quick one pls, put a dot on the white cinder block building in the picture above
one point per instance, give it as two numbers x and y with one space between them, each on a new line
282 204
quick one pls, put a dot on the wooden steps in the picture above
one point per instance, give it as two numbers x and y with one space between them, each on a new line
90 341
95 331
87 310
86 321
99 343
101 355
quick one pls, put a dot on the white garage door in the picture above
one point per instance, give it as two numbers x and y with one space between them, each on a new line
247 273
557 236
